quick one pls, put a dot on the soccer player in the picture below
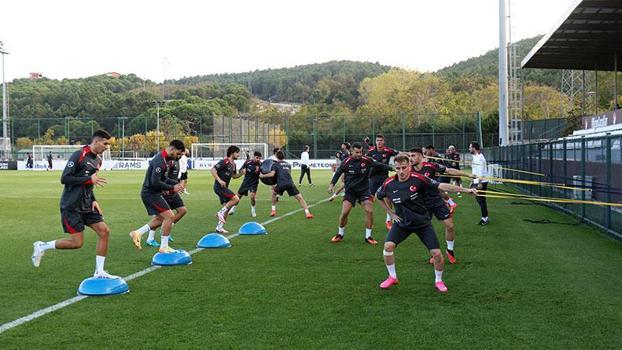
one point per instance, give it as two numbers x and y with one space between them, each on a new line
222 172
382 154
356 169
250 169
433 199
282 170
342 155
29 163
480 169
407 190
304 166
453 161
434 157
183 170
78 206
174 202
49 161
156 185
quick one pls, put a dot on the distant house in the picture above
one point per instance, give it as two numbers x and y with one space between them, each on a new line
35 76
113 74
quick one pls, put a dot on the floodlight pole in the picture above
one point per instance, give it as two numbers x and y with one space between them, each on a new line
503 77
5 117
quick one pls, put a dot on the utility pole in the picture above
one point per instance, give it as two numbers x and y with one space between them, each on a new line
503 77
5 117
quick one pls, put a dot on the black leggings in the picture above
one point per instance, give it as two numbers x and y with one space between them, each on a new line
482 200
304 170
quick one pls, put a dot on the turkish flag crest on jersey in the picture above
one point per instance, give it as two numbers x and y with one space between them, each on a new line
413 188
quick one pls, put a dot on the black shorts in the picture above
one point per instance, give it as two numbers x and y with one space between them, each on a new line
375 182
74 222
174 201
184 176
444 179
224 193
154 203
357 196
291 189
245 188
441 212
426 234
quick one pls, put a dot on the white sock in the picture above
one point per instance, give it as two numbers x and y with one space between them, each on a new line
219 226
164 242
232 210
48 245
450 245
99 263
253 209
450 201
438 276
391 269
223 210
144 229
367 232
388 217
342 231
274 207
151 236
306 211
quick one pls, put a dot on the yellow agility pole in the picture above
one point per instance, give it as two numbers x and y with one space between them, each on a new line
529 182
544 199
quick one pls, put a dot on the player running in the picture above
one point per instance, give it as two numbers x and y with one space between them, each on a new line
78 206
284 182
222 172
156 186
250 169
433 199
356 170
407 190
174 202
382 154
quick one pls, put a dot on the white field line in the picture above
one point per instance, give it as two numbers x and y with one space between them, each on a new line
41 312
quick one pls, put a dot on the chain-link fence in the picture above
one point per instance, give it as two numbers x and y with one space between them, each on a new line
594 165
323 133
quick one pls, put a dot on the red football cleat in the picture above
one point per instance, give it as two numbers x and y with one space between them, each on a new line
336 238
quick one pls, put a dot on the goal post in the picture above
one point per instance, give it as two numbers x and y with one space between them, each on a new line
217 150
63 153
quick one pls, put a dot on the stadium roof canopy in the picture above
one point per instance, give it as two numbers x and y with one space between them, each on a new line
588 37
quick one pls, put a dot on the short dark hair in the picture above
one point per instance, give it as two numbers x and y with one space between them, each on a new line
400 158
101 133
475 145
280 155
178 145
347 144
380 136
429 147
357 145
306 147
257 154
416 150
275 150
232 149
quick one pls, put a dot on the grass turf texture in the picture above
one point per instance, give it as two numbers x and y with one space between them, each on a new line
517 285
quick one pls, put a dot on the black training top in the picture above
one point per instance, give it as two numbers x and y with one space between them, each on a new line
453 160
432 170
251 177
173 170
342 155
283 173
78 193
156 179
357 172
382 156
408 199
225 169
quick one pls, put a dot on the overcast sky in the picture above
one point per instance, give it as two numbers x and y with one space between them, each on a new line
170 39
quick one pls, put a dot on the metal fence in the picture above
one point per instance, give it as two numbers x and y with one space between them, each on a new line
322 132
590 163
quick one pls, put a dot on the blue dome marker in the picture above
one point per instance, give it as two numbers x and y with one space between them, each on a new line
252 228
180 257
103 286
214 240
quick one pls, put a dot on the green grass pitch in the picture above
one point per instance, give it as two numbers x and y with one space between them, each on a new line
516 284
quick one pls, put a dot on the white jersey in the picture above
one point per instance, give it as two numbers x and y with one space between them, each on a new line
304 158
183 165
479 168
273 157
